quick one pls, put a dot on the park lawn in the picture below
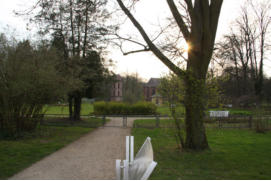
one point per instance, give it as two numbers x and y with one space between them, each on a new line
164 110
86 109
151 123
234 154
15 155
234 111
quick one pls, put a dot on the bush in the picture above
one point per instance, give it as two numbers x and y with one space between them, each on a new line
261 125
120 108
28 81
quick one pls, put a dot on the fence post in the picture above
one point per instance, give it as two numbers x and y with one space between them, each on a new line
157 121
124 119
104 119
219 123
250 122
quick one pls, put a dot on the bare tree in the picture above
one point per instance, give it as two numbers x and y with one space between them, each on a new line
200 35
245 47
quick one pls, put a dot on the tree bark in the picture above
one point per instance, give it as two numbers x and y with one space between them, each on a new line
77 106
195 106
70 100
195 99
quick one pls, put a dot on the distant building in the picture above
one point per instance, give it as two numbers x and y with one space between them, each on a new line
116 90
150 89
157 99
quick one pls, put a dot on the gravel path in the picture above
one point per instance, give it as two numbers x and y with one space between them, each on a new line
92 157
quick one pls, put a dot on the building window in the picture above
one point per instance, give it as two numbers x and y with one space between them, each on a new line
153 91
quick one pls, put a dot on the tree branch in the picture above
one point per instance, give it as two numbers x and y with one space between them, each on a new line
215 8
179 20
152 47
206 16
130 40
190 7
136 51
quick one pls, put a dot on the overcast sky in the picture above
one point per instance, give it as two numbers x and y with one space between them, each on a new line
145 64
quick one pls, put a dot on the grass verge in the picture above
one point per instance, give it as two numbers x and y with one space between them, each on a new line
234 154
15 155
164 110
86 109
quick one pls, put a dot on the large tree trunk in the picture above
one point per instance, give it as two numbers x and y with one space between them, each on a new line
195 130
195 102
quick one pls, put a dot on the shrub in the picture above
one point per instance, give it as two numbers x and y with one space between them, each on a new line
261 125
143 108
120 108
99 108
28 81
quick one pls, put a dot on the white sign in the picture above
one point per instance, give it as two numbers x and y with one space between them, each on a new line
219 114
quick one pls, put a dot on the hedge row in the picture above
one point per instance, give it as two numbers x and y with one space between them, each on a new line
120 108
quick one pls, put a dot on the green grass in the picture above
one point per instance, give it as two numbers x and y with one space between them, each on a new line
86 109
85 122
151 123
234 111
164 110
234 154
16 155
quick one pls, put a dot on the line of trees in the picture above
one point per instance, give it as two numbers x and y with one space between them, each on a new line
243 52
78 29
132 89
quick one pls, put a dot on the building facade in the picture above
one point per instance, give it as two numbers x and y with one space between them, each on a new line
116 90
150 89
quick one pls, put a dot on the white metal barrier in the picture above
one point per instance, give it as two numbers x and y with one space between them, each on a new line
138 168
219 114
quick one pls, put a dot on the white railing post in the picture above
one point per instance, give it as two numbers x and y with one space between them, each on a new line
122 171
125 170
127 148
131 148
118 169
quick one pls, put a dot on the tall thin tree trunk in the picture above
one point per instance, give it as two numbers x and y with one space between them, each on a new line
70 100
77 106
72 27
85 32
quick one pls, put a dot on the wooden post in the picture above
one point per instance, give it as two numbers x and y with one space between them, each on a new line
219 122
124 121
250 122
157 121
104 118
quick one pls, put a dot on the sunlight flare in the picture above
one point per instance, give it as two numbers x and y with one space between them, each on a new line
186 47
